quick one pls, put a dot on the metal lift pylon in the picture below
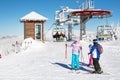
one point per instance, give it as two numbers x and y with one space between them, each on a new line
86 13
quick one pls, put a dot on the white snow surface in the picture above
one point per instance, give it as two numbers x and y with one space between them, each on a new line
46 61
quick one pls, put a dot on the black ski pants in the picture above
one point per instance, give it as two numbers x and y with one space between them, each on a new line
96 64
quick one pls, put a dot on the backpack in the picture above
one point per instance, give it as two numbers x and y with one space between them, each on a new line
100 49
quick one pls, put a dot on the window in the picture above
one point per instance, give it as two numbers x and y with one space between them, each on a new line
38 31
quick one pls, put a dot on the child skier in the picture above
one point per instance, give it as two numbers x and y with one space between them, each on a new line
76 48
90 56
96 56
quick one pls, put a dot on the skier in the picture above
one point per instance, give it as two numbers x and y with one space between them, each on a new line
90 56
57 36
76 48
96 56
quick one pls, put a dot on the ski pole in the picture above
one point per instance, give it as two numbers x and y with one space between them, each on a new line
82 58
65 51
88 57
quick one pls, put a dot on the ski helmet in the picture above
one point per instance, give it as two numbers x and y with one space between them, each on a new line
95 40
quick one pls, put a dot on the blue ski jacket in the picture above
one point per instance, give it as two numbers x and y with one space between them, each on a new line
94 51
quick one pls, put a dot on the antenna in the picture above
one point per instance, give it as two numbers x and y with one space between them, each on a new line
89 4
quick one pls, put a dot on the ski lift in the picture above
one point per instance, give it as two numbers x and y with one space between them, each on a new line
59 34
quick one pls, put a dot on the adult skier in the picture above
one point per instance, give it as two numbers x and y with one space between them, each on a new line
96 57
76 48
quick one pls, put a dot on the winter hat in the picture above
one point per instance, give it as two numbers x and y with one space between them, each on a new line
95 40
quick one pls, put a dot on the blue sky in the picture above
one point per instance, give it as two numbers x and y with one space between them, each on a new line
12 10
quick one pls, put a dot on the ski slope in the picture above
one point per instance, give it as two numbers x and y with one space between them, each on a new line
46 61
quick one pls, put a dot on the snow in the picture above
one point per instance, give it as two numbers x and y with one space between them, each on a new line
6 43
46 61
33 16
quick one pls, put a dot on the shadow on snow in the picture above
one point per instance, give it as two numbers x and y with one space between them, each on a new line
69 66
62 65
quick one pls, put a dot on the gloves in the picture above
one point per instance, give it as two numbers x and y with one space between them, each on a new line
65 44
88 53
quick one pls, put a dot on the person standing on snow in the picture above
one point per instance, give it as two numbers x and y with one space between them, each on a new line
90 56
96 56
76 48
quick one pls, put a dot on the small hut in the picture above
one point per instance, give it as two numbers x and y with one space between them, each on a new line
34 26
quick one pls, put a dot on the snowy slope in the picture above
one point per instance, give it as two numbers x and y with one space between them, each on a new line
45 61
6 43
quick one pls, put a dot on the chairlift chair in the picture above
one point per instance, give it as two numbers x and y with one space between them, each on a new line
59 33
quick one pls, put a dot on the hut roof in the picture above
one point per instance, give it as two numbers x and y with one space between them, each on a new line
33 16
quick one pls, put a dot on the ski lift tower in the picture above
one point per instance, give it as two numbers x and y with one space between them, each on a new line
62 17
86 13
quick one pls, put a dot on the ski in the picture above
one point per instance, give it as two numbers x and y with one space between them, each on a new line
74 71
77 72
97 73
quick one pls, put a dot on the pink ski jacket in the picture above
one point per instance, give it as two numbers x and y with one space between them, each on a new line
76 47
